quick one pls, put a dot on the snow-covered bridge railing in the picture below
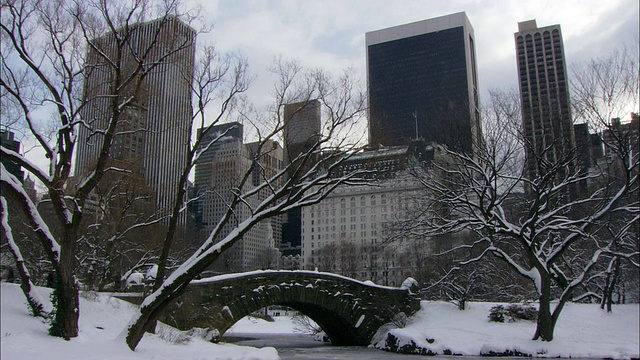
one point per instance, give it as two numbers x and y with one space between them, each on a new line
349 311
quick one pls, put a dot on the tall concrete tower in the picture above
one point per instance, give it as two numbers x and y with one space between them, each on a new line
544 91
153 132
423 83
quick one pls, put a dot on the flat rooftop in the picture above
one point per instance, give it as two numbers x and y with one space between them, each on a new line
418 28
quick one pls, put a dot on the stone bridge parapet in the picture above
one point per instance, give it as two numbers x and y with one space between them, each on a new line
349 311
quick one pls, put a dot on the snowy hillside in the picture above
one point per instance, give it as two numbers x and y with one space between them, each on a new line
101 321
583 331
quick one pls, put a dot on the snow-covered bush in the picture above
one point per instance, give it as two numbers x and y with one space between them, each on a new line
513 312
410 284
496 313
521 312
206 334
151 274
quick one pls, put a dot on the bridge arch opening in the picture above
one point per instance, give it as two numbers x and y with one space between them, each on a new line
338 330
335 326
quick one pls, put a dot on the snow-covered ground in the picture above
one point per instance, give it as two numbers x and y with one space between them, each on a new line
251 325
583 331
101 322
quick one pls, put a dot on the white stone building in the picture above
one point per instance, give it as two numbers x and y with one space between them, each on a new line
348 232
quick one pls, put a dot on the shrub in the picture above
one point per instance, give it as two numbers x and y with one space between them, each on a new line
522 312
512 313
497 313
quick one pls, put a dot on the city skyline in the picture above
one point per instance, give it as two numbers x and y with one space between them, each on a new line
326 35
331 34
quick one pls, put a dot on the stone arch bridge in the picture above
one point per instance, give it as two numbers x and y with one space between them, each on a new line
349 311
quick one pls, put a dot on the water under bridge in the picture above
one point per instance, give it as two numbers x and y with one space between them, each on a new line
349 311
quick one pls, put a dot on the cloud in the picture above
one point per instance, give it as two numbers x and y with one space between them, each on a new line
330 33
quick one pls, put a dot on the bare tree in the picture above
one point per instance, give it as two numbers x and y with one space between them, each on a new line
370 254
120 231
348 258
215 79
552 237
271 258
305 181
604 90
326 258
304 325
49 49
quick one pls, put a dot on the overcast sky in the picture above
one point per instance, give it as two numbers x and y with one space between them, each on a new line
330 33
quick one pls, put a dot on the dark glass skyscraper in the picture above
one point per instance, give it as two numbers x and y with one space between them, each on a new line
423 83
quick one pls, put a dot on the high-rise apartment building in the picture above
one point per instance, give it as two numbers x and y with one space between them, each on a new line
302 130
153 131
423 83
223 163
544 91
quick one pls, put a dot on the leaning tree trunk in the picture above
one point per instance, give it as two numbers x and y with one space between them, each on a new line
33 300
157 301
149 312
27 287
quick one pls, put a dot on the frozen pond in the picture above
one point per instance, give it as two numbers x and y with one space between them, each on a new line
297 346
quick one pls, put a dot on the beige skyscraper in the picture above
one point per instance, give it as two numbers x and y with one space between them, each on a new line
301 128
544 91
153 132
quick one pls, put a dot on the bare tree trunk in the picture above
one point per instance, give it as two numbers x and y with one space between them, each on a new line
150 311
66 292
612 285
149 314
545 324
605 290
